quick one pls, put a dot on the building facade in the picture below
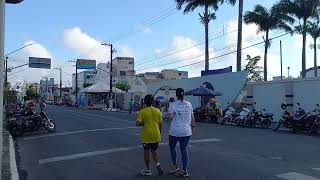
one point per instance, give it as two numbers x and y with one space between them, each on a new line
167 74
123 66
85 78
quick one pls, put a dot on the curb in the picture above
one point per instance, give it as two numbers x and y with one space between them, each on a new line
13 163
9 163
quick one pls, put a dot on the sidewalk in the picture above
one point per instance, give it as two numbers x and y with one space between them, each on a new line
9 164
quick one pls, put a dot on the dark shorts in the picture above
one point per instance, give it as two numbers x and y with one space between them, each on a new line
152 146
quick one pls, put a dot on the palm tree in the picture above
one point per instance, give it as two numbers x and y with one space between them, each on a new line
302 10
206 17
313 29
268 20
239 42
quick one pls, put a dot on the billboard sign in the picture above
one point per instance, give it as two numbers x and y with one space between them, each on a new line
86 64
43 63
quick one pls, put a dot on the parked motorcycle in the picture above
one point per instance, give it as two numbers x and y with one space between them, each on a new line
261 118
229 116
286 118
243 117
316 123
30 121
302 121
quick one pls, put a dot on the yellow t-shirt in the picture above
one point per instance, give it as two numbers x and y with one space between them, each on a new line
151 117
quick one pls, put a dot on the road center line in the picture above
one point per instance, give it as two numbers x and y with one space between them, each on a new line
318 169
296 176
112 150
82 131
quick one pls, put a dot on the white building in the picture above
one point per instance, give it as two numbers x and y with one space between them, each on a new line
103 73
84 78
123 66
167 74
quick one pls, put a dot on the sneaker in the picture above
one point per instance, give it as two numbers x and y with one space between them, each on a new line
185 174
173 169
160 171
146 172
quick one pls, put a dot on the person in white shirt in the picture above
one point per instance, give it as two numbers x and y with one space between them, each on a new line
182 126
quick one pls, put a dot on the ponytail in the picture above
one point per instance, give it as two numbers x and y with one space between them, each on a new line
180 94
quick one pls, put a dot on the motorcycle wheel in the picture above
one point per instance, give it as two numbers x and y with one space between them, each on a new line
266 124
277 126
49 125
313 129
294 129
223 121
16 131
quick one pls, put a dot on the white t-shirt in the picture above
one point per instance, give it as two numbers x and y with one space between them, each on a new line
181 123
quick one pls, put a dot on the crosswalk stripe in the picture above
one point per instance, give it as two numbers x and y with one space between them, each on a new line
318 169
296 176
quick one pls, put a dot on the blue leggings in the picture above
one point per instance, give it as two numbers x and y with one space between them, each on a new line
183 141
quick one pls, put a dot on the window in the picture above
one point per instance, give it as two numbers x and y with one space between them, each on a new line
123 73
130 62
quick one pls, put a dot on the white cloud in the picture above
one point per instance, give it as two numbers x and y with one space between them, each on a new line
21 57
250 37
85 46
126 51
145 29
91 48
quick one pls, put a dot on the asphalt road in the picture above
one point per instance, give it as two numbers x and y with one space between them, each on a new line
94 145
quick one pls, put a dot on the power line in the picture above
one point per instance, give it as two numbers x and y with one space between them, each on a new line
167 62
233 51
163 15
198 41
180 50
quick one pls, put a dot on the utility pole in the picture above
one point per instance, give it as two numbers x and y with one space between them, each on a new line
288 71
6 73
76 101
111 81
2 29
281 57
60 69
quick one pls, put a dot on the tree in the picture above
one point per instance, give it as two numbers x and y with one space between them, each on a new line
268 20
206 17
122 86
31 93
10 95
254 71
239 42
302 10
313 29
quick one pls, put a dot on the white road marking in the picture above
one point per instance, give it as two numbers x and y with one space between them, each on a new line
296 176
82 131
112 150
318 169
13 163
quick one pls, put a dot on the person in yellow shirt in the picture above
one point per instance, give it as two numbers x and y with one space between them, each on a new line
150 119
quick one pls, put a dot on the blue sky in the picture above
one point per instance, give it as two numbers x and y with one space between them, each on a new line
65 30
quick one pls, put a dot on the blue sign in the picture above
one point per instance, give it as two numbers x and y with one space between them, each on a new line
216 71
86 64
42 63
